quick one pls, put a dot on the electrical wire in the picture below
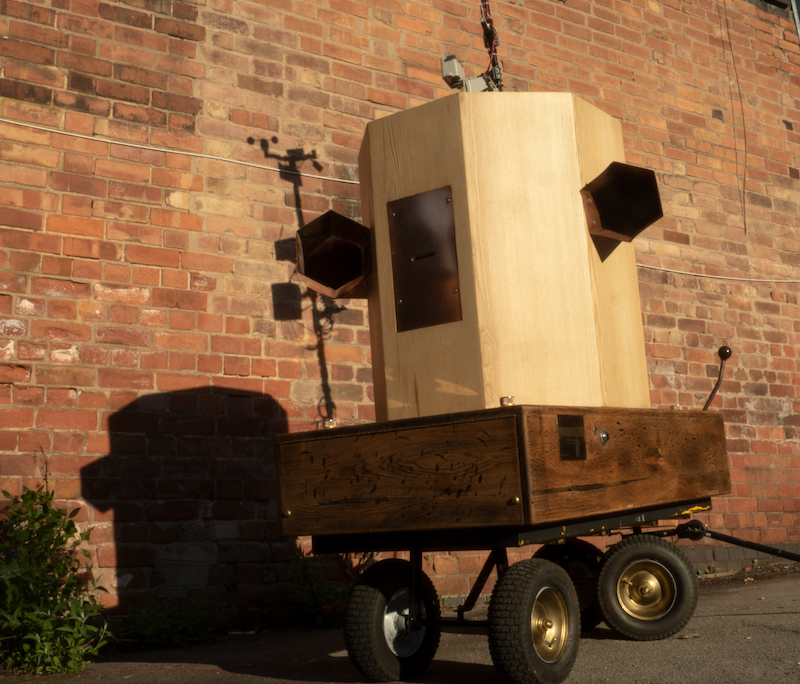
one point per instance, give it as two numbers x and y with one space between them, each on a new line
198 155
741 180
716 277
339 180
491 40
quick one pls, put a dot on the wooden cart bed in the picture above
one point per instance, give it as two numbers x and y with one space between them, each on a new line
518 466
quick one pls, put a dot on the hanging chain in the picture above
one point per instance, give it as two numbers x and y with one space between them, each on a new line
491 42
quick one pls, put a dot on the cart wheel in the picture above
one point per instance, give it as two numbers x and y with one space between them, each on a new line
387 638
534 623
647 588
581 560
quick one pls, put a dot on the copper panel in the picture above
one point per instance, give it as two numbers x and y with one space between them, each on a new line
422 234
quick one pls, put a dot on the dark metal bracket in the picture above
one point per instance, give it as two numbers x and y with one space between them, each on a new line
695 530
498 558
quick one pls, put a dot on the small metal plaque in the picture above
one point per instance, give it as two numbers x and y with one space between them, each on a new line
571 438
424 261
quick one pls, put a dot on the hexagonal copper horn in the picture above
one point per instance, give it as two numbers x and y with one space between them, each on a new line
334 254
621 202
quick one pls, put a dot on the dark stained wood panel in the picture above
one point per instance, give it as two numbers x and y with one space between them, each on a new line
650 458
462 474
515 466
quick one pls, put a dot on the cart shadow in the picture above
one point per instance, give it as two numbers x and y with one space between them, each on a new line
316 655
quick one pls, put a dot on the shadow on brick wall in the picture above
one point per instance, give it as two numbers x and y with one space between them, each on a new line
190 486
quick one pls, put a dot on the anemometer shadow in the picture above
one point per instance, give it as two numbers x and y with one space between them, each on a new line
288 298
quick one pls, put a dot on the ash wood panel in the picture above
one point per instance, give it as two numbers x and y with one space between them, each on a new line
439 477
432 370
544 320
373 286
536 322
652 458
615 281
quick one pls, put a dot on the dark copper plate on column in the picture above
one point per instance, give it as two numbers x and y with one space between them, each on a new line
424 261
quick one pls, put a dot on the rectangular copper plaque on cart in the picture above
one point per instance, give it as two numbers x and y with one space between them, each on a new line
424 261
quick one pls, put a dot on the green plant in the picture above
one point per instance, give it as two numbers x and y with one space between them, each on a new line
166 625
321 602
48 615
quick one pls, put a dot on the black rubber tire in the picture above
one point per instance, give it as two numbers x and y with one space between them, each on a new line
581 560
378 645
526 594
647 589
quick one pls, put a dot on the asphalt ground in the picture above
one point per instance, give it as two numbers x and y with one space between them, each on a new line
746 629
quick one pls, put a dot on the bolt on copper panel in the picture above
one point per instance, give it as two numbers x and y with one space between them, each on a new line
422 235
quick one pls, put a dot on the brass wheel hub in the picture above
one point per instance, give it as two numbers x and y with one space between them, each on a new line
646 589
549 624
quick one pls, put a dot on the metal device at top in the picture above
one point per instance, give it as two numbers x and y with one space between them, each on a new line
490 80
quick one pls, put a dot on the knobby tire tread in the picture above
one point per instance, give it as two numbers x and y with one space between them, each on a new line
645 546
363 628
510 641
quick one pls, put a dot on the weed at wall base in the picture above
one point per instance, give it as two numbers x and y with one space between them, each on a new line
49 619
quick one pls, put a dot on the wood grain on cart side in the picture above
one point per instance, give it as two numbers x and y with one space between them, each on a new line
437 477
651 458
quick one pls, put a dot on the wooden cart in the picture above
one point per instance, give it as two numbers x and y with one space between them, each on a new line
500 478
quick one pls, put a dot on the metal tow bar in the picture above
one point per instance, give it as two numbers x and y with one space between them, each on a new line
696 530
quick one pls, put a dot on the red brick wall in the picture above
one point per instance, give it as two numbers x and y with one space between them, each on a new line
153 340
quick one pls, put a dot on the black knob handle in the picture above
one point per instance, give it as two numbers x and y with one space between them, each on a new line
724 353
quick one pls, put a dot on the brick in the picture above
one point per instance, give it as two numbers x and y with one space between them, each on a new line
91 249
179 29
54 287
167 261
206 262
61 309
178 299
27 154
178 103
16 418
128 232
138 254
235 345
182 341
60 331
15 373
24 51
139 114
127 335
120 379
176 219
107 292
71 225
108 168
57 419
20 219
13 327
